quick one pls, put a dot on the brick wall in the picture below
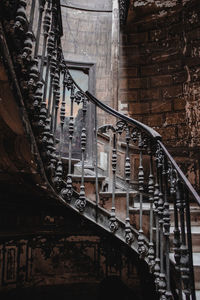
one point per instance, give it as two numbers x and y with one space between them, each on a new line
160 75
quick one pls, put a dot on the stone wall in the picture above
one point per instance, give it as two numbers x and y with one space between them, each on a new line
160 77
87 38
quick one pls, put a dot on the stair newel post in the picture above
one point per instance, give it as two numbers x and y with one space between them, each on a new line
151 253
128 233
113 225
46 27
166 225
162 278
142 249
81 202
189 242
184 255
41 10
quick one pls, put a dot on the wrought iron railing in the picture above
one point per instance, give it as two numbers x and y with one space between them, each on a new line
33 34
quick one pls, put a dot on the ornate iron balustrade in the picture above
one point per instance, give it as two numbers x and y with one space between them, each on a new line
33 36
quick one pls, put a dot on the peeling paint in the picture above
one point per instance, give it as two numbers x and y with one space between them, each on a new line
158 3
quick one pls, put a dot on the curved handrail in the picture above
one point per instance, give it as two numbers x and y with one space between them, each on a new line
150 131
180 173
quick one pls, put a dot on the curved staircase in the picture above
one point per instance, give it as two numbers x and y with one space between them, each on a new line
152 207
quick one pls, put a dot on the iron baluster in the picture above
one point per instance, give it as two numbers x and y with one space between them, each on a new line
176 240
46 27
189 242
184 259
67 191
33 76
56 81
128 233
162 279
37 101
41 10
151 253
20 19
157 260
50 47
32 11
52 73
96 164
57 101
113 225
28 45
166 225
81 202
142 250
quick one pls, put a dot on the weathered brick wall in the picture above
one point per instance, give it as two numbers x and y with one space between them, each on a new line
159 75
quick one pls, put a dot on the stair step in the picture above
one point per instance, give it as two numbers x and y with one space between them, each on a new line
117 194
89 182
65 160
196 263
87 178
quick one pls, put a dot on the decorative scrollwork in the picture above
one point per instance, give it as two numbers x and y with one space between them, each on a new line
121 126
129 238
67 191
79 97
142 248
113 224
159 156
172 178
68 81
57 180
81 202
151 257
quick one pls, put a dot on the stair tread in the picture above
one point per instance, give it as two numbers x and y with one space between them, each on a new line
87 177
73 160
117 193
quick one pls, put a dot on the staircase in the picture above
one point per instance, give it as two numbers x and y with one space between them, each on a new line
152 207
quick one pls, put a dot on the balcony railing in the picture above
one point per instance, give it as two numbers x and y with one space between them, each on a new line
33 35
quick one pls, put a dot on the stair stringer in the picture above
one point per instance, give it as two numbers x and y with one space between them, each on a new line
100 217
